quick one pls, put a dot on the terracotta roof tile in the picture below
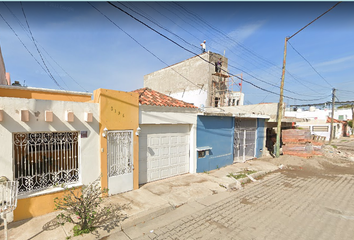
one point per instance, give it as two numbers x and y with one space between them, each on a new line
148 96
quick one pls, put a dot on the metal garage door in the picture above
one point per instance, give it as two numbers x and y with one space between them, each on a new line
245 139
163 151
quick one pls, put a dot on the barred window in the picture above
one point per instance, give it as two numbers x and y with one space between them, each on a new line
45 159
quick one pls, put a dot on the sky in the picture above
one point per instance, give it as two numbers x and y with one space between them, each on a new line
80 46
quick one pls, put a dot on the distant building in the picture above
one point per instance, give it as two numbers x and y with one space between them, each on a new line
196 81
3 80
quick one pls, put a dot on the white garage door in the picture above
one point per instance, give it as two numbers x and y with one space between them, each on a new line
163 151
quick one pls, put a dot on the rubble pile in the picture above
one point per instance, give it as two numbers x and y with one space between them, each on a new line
301 143
331 152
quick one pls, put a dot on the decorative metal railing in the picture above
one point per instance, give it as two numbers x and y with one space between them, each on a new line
8 199
45 159
120 153
8 196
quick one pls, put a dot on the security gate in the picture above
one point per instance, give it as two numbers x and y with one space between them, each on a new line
120 161
244 139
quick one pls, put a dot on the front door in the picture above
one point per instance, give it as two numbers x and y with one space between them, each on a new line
120 161
244 139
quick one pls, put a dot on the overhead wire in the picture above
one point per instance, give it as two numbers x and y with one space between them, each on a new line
159 26
34 42
205 22
250 62
141 44
22 42
310 65
26 30
154 30
229 64
314 20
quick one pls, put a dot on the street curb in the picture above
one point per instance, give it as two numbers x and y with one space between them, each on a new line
146 216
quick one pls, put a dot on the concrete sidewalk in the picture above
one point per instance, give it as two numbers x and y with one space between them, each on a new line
148 202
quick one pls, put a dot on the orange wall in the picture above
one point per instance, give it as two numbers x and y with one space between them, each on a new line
18 92
36 206
118 111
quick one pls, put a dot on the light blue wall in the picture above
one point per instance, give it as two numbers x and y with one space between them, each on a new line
218 133
261 137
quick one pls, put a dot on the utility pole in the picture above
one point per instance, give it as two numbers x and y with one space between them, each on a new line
333 97
352 119
280 105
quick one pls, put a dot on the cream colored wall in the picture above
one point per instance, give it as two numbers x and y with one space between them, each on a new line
172 115
11 123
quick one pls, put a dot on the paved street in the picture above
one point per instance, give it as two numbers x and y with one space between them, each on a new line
298 203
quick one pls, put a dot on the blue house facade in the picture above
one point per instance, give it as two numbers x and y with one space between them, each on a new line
261 137
215 136
223 140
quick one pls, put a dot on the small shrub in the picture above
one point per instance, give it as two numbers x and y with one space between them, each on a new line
83 207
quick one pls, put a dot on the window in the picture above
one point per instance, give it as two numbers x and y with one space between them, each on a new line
201 154
320 128
45 159
216 101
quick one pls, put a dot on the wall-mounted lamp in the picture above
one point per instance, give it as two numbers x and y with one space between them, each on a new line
138 131
105 132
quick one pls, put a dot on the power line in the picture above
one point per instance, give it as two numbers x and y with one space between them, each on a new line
314 20
142 45
251 62
51 76
197 54
310 65
26 30
159 26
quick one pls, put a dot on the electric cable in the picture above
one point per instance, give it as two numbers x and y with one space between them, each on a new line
26 30
197 54
253 64
205 22
22 42
313 20
50 74
160 26
310 65
142 45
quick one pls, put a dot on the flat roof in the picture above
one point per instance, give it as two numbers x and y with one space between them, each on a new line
45 90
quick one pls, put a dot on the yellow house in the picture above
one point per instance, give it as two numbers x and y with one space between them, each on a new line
100 140
119 120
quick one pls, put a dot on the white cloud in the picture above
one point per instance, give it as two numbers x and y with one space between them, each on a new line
244 32
336 61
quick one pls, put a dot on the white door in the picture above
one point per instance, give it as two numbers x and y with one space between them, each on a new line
120 161
245 139
163 151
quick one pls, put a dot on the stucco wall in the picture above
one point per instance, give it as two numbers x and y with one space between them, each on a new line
338 127
12 123
193 74
173 115
217 133
2 71
43 94
320 115
118 111
167 115
32 204
197 97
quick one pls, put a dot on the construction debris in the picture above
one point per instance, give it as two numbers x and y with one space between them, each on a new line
298 142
